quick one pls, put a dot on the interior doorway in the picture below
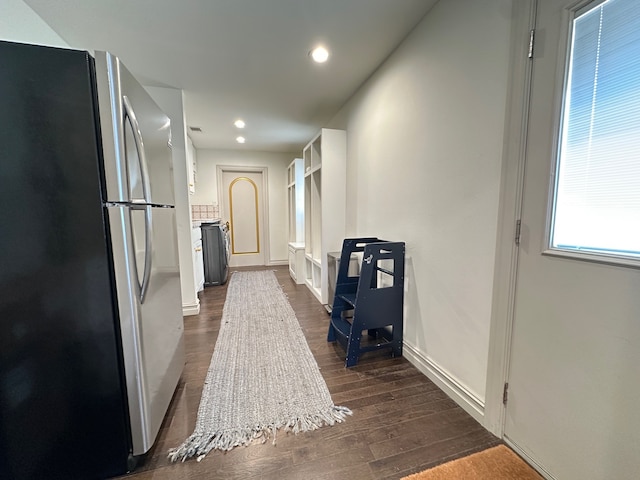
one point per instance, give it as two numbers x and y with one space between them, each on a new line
242 194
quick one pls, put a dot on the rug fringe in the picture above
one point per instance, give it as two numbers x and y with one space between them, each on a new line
200 444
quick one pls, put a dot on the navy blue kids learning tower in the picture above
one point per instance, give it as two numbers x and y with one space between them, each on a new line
375 298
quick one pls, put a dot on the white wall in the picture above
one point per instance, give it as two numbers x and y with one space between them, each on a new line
171 102
276 163
19 23
425 140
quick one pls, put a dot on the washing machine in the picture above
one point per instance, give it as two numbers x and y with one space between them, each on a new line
215 249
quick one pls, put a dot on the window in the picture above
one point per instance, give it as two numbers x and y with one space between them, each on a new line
597 186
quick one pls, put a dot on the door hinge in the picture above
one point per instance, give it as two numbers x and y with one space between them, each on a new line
532 35
505 393
518 229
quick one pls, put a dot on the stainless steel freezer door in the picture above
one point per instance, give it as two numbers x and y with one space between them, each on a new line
135 135
153 330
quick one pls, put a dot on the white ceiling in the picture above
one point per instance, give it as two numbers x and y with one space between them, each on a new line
243 58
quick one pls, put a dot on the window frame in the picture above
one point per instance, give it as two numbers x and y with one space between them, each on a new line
565 52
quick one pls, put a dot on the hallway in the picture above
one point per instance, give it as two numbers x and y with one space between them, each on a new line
401 424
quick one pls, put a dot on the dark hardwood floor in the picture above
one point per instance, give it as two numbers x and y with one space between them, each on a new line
401 424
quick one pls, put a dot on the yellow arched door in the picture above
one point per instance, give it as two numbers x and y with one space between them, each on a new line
243 208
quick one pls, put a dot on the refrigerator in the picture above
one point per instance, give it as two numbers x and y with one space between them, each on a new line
91 342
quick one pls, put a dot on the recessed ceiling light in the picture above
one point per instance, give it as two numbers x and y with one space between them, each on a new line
320 54
240 139
239 123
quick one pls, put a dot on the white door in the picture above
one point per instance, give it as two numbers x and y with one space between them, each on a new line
573 384
243 206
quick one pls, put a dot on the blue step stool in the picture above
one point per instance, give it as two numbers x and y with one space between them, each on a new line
375 298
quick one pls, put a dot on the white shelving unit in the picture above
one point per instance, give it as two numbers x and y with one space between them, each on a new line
324 205
295 211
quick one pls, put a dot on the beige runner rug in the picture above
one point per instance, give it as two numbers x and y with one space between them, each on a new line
262 376
497 463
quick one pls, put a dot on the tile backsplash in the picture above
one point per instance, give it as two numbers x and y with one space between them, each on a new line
205 212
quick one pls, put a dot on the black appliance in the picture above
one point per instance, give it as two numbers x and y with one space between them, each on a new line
91 348
215 248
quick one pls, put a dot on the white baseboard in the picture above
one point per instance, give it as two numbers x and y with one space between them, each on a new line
274 263
449 385
191 309
539 468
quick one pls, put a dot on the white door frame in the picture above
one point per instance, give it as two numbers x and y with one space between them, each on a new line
220 169
513 170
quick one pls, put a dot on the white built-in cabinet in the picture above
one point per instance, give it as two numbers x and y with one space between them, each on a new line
324 206
295 213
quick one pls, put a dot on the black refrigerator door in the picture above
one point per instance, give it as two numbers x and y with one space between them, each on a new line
62 408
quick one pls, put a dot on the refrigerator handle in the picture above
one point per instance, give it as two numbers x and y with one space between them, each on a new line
137 136
148 248
148 240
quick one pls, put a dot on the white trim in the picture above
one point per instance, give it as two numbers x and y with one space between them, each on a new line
274 263
191 309
535 465
613 259
314 291
446 382
220 169
512 178
562 76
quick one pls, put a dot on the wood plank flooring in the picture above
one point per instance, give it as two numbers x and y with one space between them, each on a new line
401 424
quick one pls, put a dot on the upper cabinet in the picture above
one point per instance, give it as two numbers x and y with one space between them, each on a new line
192 165
325 159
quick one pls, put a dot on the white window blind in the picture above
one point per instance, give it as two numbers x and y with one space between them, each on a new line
597 197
